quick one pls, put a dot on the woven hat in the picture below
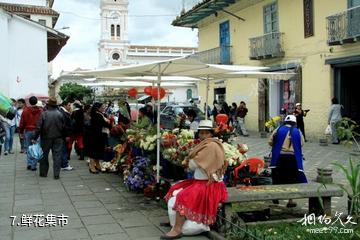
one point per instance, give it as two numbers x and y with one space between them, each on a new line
290 118
298 104
39 104
52 102
205 125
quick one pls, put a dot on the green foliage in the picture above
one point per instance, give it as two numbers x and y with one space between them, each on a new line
293 231
74 91
346 131
352 174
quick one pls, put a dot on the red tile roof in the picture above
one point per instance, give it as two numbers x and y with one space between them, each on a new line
30 9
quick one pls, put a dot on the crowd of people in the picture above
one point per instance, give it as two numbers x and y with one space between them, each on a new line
236 114
60 128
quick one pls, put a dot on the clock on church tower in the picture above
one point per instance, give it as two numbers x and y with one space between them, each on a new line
114 43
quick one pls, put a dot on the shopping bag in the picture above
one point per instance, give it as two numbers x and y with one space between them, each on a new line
35 151
328 130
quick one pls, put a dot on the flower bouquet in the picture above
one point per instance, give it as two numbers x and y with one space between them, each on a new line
148 143
232 154
168 139
273 123
119 159
224 131
233 159
140 175
184 136
183 151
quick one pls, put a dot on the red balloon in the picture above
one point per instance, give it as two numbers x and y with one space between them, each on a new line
222 118
154 93
148 90
132 92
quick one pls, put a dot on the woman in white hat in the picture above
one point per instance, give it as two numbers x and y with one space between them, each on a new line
197 199
286 155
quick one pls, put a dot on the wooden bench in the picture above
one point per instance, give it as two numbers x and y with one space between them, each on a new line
312 191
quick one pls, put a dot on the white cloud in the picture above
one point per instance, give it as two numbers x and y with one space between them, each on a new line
84 21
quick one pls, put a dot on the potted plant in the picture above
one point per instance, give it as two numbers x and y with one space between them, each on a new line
352 174
346 131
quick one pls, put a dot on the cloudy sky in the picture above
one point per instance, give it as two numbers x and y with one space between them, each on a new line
82 18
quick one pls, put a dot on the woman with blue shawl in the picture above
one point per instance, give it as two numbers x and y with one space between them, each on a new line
287 158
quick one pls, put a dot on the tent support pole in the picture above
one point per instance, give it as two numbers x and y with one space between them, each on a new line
207 97
158 127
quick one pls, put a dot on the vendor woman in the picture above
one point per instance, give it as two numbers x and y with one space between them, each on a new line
144 121
287 158
198 199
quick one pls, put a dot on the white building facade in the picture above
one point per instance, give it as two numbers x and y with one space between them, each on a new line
22 68
27 47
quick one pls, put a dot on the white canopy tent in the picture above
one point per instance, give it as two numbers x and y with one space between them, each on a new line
186 67
135 84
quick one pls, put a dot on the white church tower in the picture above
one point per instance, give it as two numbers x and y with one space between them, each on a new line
114 43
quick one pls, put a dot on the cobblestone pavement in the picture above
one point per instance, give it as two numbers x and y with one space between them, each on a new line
99 207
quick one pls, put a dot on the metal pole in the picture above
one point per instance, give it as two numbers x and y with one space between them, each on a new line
158 127
137 109
207 97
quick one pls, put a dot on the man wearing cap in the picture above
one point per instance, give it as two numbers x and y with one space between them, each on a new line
27 126
287 158
51 129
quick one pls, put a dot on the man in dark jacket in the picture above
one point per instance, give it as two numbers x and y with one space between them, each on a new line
27 126
77 133
50 128
65 109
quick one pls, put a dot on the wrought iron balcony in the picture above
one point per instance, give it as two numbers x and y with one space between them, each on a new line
267 46
344 27
219 55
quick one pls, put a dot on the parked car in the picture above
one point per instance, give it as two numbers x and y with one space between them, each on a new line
168 116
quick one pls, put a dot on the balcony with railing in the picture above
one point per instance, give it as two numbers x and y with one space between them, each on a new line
219 55
344 27
267 46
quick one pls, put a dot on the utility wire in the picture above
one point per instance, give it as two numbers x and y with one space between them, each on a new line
135 16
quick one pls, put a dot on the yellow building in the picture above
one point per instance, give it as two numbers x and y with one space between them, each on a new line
315 39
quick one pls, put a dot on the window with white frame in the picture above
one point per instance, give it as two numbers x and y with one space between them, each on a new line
271 21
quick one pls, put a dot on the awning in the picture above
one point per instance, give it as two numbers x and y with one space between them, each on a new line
129 84
200 11
181 67
185 66
56 41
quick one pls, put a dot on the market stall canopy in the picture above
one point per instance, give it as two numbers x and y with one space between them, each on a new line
144 79
185 67
135 84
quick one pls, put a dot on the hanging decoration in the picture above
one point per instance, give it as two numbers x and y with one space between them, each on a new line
148 90
132 92
155 93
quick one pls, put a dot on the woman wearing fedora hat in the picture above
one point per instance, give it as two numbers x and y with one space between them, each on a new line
197 199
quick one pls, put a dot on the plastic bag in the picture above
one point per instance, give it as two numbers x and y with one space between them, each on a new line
328 130
35 151
189 227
